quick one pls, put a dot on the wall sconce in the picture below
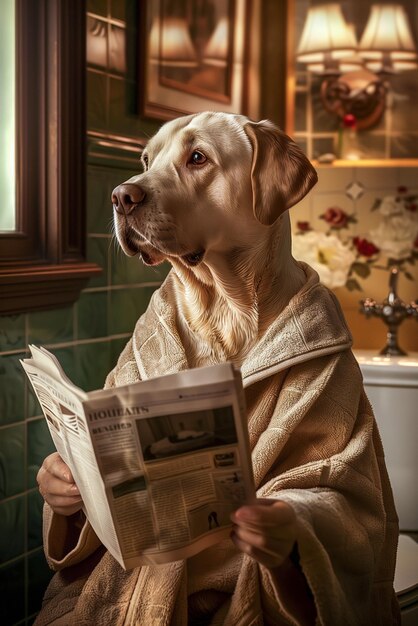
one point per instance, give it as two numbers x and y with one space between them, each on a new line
355 75
216 50
170 43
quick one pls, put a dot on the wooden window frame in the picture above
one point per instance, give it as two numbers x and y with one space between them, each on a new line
42 262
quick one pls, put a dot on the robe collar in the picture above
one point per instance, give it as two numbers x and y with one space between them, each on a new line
311 325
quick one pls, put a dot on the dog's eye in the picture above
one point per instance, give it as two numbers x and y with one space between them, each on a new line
145 160
197 158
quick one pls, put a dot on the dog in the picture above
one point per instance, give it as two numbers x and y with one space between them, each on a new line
319 542
213 200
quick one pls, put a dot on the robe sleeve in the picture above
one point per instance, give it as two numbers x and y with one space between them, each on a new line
67 540
322 454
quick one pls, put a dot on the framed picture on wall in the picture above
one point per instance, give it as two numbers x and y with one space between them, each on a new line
193 57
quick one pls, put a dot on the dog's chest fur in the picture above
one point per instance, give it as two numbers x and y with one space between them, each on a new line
213 330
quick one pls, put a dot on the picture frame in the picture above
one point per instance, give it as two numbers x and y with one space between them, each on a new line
194 56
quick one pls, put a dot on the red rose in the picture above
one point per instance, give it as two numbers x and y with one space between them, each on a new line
412 207
303 226
336 217
364 247
349 121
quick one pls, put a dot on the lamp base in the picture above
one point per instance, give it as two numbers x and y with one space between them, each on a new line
361 93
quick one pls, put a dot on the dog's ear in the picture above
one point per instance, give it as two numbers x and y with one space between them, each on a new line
281 175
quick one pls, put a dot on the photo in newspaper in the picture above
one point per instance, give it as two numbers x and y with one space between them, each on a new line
183 455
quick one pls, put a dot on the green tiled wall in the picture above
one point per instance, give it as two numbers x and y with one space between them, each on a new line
87 338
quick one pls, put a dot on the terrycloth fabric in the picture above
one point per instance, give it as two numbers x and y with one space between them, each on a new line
314 444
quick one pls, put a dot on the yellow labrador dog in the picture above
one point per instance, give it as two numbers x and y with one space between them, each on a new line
212 200
319 543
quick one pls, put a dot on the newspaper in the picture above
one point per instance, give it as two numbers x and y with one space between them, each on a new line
160 464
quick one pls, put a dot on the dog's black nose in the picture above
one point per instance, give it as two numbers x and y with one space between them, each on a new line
126 197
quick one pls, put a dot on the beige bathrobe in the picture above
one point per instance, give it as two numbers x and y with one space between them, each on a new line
314 444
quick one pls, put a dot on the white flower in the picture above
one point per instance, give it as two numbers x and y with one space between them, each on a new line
395 235
326 254
390 206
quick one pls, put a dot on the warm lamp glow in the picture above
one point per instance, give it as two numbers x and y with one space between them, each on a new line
350 82
387 40
171 44
216 50
349 63
325 34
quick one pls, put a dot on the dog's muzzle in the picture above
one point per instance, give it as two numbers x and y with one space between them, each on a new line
127 197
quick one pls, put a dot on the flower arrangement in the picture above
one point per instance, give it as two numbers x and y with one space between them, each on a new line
341 260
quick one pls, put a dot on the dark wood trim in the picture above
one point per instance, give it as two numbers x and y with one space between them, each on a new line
43 261
290 68
40 287
273 61
114 150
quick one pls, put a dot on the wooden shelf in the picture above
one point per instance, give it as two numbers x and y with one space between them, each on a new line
368 163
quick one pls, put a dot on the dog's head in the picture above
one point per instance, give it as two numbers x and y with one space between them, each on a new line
211 182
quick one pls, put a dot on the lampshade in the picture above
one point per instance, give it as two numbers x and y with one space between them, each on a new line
349 63
325 35
170 43
387 39
216 50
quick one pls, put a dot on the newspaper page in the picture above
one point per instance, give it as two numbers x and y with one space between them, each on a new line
160 464
62 405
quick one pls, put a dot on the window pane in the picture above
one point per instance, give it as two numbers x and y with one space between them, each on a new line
7 116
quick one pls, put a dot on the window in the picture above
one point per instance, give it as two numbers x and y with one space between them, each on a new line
42 246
